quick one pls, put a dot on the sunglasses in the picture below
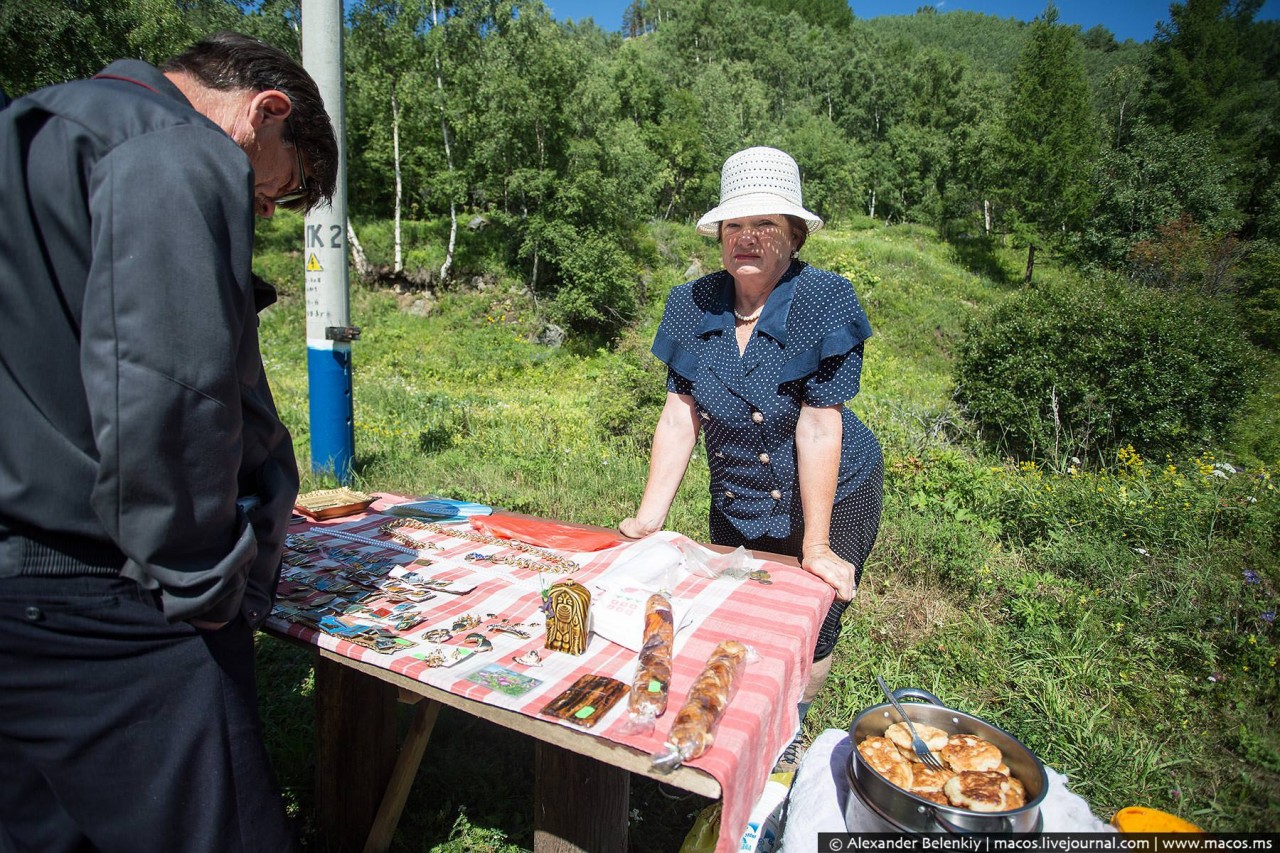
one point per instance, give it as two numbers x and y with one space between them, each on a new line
303 192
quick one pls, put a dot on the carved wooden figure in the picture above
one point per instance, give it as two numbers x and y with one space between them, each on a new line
567 606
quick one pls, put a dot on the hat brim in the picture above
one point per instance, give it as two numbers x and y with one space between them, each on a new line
755 204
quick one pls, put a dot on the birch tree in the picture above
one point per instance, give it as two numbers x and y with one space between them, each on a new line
386 99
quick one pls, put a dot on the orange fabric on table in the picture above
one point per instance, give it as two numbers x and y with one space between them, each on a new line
545 533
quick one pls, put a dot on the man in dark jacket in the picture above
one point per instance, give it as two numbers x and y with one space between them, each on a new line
146 480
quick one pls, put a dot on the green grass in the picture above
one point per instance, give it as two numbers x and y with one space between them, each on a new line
1114 621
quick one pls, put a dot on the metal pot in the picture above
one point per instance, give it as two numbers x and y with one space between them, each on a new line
903 811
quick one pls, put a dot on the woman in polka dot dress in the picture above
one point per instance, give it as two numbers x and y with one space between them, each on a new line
761 357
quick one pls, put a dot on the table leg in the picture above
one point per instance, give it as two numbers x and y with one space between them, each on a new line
415 743
580 804
355 751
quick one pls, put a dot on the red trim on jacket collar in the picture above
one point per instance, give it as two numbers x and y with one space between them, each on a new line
127 80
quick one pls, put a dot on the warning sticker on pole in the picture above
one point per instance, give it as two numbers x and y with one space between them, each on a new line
313 264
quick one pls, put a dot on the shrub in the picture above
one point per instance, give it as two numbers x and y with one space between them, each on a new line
1067 371
857 269
596 293
1260 294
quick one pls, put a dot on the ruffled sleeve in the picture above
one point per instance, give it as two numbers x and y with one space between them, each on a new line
676 343
673 353
826 329
836 380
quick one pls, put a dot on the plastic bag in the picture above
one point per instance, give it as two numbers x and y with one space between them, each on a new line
694 730
709 564
764 827
652 682
704 833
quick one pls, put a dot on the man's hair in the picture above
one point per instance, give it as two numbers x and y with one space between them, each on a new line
229 61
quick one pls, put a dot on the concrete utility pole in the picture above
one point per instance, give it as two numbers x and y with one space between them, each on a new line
329 329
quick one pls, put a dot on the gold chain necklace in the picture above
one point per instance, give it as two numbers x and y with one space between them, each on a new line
546 561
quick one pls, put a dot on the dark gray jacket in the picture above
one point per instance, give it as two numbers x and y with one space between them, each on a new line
133 405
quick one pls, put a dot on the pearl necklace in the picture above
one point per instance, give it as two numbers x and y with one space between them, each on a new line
750 318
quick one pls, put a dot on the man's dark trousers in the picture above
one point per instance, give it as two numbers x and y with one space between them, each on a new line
105 708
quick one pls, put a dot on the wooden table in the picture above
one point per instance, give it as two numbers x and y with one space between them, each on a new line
582 783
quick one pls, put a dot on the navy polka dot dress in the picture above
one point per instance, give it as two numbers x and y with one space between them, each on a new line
806 348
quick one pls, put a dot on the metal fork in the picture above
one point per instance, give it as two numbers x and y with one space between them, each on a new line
921 748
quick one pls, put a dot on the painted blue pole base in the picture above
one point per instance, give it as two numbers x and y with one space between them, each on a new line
332 422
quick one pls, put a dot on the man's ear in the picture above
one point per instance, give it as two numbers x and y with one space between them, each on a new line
268 107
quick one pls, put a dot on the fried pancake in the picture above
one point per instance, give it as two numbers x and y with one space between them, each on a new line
936 796
885 759
1016 796
969 752
927 779
935 739
978 790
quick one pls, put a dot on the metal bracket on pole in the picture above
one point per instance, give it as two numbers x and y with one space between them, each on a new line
346 334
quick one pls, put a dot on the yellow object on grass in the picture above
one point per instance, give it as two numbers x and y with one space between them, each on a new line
1141 819
764 827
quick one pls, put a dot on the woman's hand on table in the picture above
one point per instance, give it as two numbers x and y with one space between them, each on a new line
838 572
634 528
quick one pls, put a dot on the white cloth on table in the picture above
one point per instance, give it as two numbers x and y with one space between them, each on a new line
821 790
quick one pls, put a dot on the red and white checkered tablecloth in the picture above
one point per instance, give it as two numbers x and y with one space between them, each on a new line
779 621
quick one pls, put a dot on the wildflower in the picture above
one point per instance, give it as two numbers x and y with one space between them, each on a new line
1253 640
1129 457
1269 616
1175 792
1251 577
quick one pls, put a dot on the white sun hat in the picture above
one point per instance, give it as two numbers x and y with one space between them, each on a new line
756 182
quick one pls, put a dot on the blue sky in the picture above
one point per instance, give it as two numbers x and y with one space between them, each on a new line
1135 19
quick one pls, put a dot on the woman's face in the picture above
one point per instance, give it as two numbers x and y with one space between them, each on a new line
756 249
